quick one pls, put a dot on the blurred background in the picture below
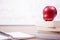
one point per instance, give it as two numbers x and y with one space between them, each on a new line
24 12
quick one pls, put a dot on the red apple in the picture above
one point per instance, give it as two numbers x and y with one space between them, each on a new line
49 13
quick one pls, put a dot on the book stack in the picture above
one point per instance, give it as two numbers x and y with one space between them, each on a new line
48 30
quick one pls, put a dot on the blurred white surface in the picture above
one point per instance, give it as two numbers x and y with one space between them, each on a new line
17 12
24 12
17 35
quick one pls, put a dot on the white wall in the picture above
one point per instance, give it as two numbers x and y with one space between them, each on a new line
17 12
24 12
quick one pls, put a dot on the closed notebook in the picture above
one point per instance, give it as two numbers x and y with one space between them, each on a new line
17 35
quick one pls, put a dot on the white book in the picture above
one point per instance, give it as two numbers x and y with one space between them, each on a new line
48 24
17 35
